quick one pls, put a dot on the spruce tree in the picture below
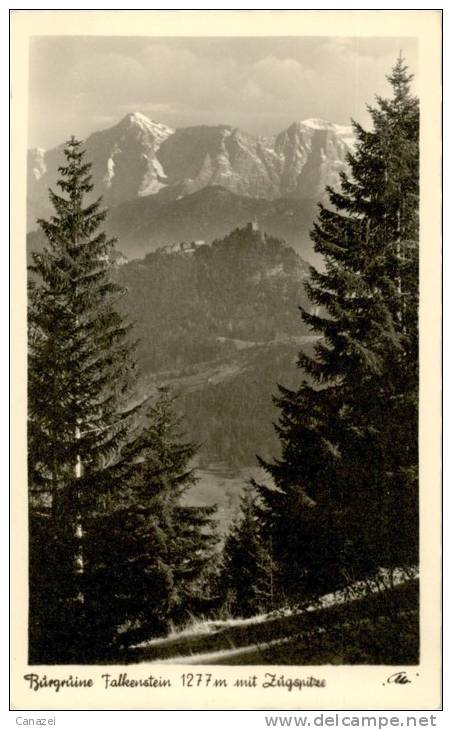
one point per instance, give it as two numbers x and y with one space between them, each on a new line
246 576
80 372
113 549
346 501
187 532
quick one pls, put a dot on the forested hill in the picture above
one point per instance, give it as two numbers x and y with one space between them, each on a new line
220 325
196 303
145 224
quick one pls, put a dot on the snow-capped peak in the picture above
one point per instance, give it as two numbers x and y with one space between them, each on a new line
136 119
317 124
342 131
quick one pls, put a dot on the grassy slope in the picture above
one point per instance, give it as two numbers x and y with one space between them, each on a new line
379 628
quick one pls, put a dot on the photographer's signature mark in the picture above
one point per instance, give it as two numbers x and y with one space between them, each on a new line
399 678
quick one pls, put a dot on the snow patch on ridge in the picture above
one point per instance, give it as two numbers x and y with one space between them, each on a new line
154 178
39 166
109 175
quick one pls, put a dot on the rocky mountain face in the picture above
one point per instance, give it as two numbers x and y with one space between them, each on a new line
124 159
139 158
312 154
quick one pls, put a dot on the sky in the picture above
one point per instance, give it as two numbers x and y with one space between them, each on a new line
79 85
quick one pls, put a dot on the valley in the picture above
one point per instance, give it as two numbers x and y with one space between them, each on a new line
213 251
220 326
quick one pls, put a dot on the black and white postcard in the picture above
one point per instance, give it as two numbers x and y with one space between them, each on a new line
226 256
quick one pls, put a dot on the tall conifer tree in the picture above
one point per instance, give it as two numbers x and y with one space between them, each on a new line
188 531
246 575
105 488
346 485
80 373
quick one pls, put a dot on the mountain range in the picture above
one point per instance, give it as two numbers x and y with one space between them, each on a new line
148 169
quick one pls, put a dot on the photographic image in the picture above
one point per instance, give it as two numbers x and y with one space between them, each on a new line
222 244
